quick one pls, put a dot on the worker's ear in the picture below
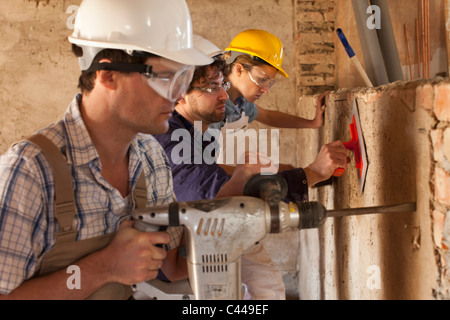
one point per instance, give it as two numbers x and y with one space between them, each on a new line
239 68
107 78
181 101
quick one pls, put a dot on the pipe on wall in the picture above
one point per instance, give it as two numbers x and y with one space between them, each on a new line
373 57
387 42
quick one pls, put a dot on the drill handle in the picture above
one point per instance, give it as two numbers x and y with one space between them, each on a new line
156 218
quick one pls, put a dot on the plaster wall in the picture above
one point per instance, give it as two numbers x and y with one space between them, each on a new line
382 256
38 74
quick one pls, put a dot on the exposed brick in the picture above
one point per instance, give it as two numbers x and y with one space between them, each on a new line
442 186
447 143
315 45
322 48
311 38
313 90
425 97
317 68
307 67
323 5
441 102
437 140
313 26
313 81
329 15
438 228
310 16
313 59
446 240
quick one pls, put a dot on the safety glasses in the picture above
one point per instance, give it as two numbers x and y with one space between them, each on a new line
168 78
216 89
260 78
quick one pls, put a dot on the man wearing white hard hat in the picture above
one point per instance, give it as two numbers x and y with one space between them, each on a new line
66 195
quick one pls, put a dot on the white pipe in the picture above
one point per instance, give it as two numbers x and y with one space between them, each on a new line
388 45
373 57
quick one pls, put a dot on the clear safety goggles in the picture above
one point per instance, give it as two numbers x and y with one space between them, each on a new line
216 89
168 78
261 79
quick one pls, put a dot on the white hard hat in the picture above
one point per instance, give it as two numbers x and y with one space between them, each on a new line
160 27
206 46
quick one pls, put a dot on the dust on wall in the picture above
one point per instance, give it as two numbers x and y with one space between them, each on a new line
385 256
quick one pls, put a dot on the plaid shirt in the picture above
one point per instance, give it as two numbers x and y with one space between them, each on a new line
27 223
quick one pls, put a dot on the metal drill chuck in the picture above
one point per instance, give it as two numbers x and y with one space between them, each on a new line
312 215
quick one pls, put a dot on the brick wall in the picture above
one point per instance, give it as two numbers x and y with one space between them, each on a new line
406 127
315 47
436 99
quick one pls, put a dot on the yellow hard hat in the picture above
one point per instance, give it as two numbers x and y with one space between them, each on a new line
261 44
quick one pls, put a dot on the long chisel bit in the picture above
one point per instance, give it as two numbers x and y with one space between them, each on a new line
397 208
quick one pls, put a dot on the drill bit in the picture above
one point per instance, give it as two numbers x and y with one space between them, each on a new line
397 208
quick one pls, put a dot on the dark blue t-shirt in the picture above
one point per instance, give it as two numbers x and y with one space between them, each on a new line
197 179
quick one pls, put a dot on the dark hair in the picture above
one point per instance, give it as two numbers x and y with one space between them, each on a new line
86 79
203 74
